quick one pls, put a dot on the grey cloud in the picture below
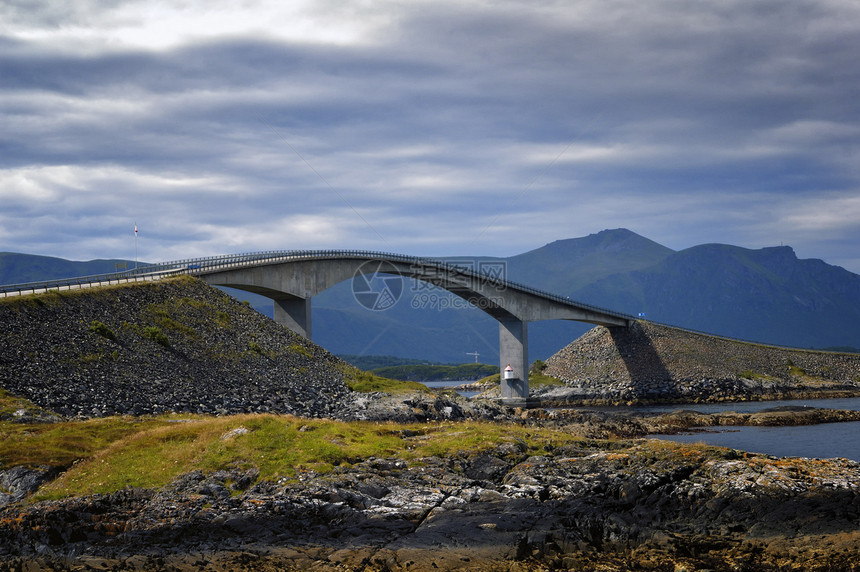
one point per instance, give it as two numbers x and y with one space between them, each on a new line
434 126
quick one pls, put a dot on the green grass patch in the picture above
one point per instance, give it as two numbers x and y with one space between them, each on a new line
162 316
542 380
150 456
795 371
535 380
106 455
61 444
103 330
155 334
9 404
753 375
301 350
282 445
366 382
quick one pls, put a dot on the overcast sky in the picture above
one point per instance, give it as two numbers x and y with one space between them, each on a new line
427 128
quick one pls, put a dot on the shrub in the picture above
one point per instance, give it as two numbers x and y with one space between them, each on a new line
301 350
102 330
155 334
537 367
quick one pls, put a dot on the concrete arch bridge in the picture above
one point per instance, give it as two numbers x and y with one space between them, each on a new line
291 279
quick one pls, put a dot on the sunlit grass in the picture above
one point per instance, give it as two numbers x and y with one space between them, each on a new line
536 380
61 444
366 382
9 403
109 455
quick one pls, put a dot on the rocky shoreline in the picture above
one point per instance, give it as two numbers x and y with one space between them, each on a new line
609 501
623 505
612 501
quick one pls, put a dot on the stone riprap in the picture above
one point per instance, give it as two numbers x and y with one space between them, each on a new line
174 345
648 363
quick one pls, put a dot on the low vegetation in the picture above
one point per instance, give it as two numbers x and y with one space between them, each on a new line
537 377
10 404
155 334
366 382
109 454
426 372
301 350
64 443
103 330
755 376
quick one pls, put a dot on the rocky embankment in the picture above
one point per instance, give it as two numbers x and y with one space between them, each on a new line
173 345
609 506
180 345
651 363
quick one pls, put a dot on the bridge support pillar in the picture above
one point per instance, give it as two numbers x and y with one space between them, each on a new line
514 350
294 313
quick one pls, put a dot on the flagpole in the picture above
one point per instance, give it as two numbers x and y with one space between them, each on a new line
135 246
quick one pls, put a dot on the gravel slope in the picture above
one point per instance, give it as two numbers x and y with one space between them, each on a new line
174 345
652 363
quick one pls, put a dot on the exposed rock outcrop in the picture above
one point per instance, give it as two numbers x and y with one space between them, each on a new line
647 363
631 505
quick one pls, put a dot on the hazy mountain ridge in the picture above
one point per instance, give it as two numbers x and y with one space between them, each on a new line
766 295
564 266
18 268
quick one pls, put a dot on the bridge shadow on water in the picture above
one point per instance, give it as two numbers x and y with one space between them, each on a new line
649 376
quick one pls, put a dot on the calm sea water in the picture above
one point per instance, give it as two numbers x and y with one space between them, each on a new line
815 441
852 403
440 384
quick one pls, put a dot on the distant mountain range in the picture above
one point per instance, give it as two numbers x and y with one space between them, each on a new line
766 295
19 268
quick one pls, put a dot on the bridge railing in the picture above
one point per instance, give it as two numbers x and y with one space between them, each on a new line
76 282
215 263
202 265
